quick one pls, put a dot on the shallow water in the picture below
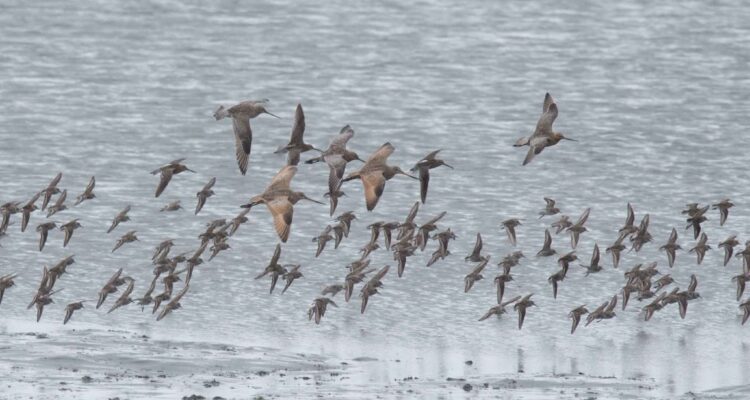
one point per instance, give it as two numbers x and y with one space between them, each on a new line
655 94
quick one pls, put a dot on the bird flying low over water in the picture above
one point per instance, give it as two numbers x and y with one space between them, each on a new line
296 145
424 166
543 135
241 115
375 173
167 172
280 200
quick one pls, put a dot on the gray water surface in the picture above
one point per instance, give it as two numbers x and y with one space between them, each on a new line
656 94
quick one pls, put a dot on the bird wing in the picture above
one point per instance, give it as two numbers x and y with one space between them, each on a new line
90 186
548 101
209 185
585 216
282 210
283 179
338 143
424 181
544 125
374 184
243 138
298 129
166 176
379 157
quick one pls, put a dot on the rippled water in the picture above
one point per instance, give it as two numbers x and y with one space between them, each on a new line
655 94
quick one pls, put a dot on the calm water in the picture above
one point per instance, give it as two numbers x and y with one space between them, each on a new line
655 94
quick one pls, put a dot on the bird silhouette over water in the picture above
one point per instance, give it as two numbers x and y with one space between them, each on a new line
166 172
296 145
543 135
241 115
423 166
375 173
280 200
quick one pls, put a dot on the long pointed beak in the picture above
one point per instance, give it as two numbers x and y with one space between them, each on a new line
572 140
314 201
273 115
360 159
190 170
449 166
410 176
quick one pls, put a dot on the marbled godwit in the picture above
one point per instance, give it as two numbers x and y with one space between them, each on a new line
671 247
543 135
241 115
336 156
280 199
375 173
296 144
167 171
424 166
87 194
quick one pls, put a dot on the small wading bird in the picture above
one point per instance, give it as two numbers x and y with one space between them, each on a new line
543 135
87 194
241 115
424 166
375 173
166 172
280 200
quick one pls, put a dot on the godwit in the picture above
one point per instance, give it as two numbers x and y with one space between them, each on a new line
543 135
243 136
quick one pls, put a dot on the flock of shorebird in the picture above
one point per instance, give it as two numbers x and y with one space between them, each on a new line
409 237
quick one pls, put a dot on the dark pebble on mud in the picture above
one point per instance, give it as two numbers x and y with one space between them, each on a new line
467 387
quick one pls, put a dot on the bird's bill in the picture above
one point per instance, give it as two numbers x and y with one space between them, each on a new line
314 201
189 170
409 175
567 138
449 166
360 159
273 115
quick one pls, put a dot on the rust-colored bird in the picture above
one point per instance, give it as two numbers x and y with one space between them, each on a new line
375 173
280 200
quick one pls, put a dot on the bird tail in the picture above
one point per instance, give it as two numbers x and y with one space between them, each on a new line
221 113
314 160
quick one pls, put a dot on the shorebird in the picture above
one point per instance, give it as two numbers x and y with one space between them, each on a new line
594 266
401 251
500 281
641 236
375 173
521 307
71 308
124 298
476 254
235 223
701 247
662 282
122 216
543 135
43 230
498 309
291 274
7 210
174 304
561 224
26 211
424 166
547 249
338 234
549 209
408 227
577 229
296 144
147 299
475 275
87 194
575 315
333 199
346 221
204 194
629 227
368 248
322 239
336 156
745 307
423 233
740 281
172 206
696 218
109 287
723 207
318 308
6 281
280 199
617 248
510 228
273 268
51 190
167 171
241 115
333 290
654 306
556 278
128 237
69 228
671 247
729 244
59 204
371 287
604 311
